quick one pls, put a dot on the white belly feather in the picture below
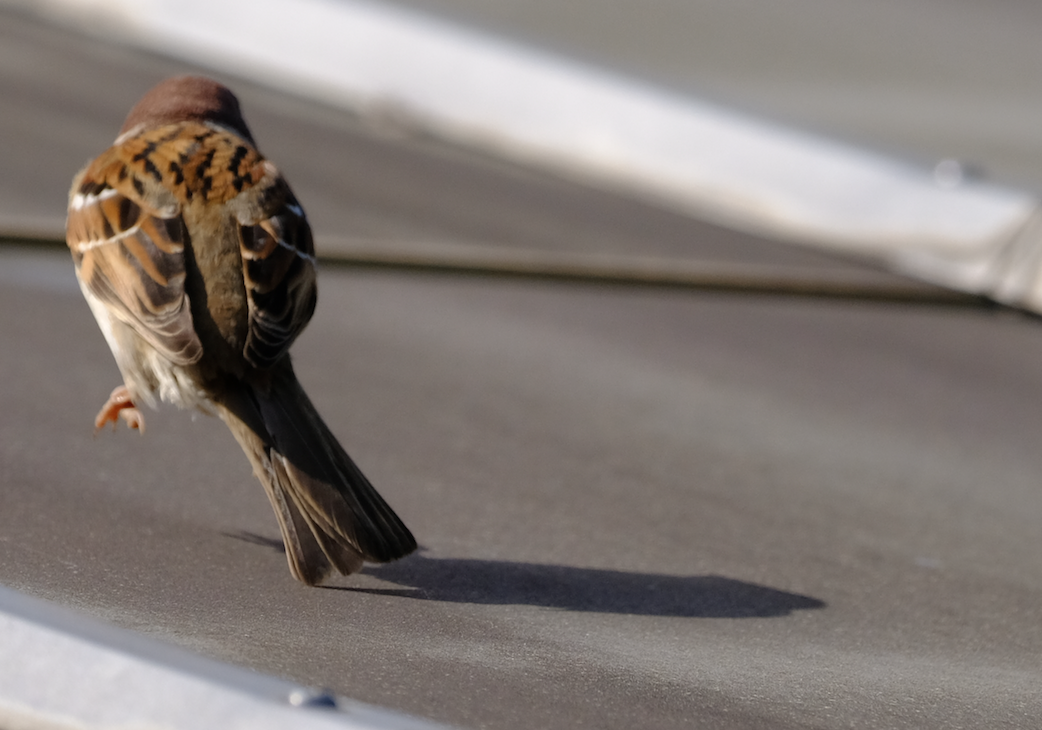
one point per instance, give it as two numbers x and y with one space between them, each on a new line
146 373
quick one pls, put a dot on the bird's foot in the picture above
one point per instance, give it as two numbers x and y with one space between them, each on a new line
119 405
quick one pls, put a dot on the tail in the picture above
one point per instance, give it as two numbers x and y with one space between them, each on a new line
329 513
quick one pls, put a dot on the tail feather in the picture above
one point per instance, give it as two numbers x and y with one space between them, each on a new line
329 513
307 557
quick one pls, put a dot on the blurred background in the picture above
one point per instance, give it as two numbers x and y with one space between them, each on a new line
669 467
877 130
926 80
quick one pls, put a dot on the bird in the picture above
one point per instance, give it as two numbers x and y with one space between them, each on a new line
198 263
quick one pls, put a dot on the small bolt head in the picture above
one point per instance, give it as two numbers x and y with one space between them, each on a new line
303 697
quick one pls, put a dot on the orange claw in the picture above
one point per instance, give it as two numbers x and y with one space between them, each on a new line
119 405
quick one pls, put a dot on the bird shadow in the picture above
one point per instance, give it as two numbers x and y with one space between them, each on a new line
255 539
567 588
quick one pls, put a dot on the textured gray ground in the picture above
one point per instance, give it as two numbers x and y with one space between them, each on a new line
638 508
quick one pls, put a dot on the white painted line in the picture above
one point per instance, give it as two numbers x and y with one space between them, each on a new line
59 670
539 108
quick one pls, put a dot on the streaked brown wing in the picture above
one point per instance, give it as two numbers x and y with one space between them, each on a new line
132 259
278 256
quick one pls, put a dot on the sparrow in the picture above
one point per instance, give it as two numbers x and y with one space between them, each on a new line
198 264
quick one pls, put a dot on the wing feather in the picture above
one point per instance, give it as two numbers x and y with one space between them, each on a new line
130 255
278 255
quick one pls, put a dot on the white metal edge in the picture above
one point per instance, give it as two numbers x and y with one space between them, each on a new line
533 106
61 670
537 105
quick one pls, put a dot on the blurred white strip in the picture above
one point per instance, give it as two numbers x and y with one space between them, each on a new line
58 670
536 107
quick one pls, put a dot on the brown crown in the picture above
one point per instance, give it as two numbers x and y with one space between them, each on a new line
188 98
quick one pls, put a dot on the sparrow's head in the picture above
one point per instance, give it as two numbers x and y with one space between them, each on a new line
188 98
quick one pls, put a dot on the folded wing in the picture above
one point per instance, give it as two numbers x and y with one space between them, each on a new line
278 258
130 255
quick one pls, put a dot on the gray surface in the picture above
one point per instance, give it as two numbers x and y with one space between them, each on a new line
638 508
924 79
